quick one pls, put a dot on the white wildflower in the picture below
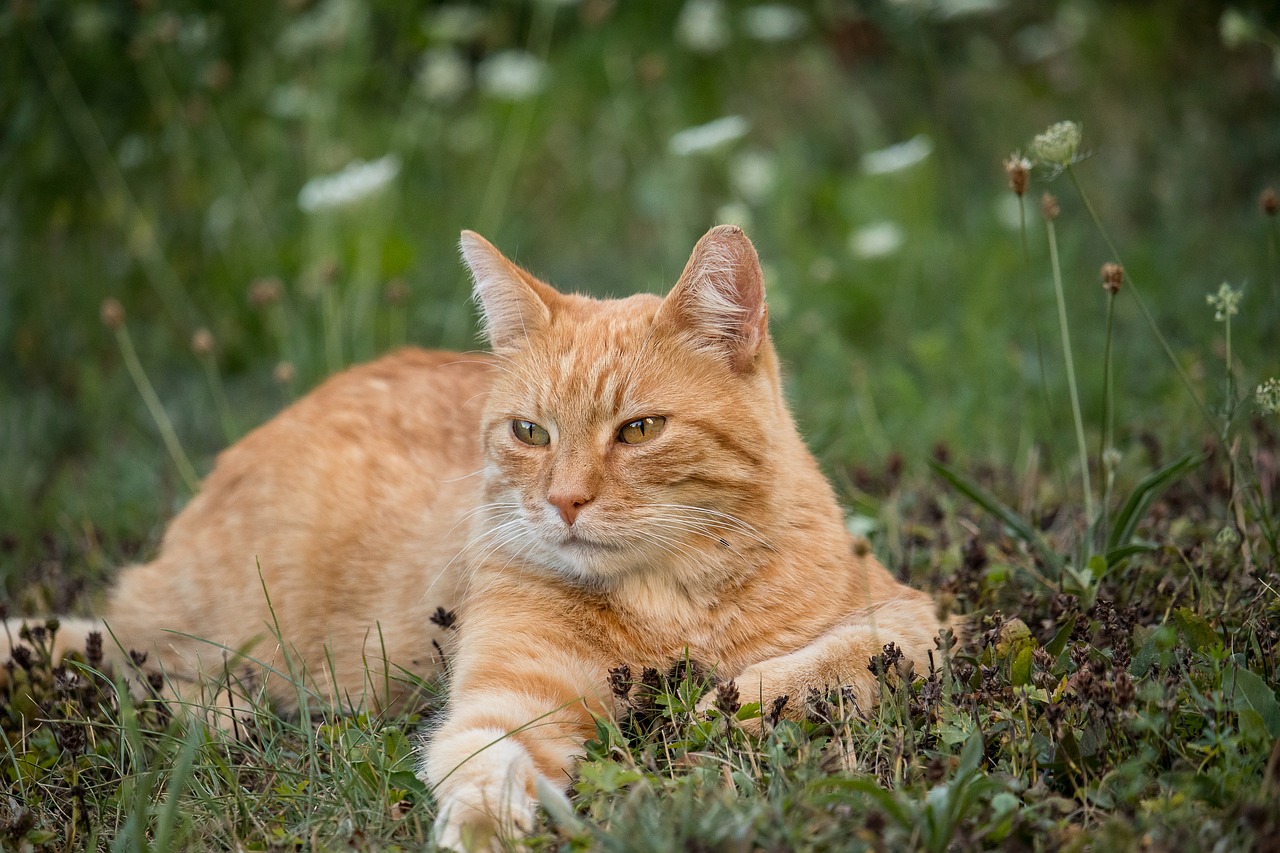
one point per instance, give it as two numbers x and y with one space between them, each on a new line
878 240
754 175
1235 29
1059 145
1225 303
444 74
774 22
709 136
512 75
702 27
356 182
895 158
1268 396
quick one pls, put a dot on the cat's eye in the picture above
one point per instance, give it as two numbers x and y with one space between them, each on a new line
530 433
641 430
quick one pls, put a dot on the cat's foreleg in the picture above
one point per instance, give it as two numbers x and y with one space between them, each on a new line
839 657
516 713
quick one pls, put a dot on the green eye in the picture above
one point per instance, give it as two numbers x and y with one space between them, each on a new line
530 433
640 431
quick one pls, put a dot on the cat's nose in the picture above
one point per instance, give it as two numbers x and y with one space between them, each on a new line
569 504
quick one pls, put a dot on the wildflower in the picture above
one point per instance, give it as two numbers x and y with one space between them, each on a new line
1112 276
895 158
1235 29
877 240
1018 168
701 26
284 373
1226 302
709 136
1059 145
264 292
1227 539
444 75
512 75
356 182
774 22
1269 202
1049 206
1110 459
112 313
1268 396
202 342
754 175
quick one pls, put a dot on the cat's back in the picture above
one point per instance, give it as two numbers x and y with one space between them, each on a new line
354 489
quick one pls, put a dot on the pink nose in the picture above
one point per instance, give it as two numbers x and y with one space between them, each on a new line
569 504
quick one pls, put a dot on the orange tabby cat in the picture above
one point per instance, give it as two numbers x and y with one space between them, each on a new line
620 482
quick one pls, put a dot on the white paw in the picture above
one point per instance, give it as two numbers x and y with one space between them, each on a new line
487 801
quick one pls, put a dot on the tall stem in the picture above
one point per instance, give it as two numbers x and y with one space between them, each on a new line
158 414
1071 370
1142 305
1108 417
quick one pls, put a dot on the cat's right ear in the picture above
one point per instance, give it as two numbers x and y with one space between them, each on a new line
513 304
718 303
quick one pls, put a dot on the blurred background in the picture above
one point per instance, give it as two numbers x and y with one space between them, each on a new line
273 191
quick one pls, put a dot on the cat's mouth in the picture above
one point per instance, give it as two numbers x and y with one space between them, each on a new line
579 542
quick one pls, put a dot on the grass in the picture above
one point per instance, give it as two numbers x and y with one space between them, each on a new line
1120 693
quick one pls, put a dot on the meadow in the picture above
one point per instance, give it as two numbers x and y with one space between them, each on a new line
1023 264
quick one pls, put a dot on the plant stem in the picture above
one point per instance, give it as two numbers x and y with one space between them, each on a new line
1142 305
1071 370
229 428
1108 417
158 414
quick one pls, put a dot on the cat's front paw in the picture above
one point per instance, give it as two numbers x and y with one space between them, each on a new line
486 800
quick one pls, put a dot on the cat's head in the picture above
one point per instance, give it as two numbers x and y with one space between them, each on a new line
630 435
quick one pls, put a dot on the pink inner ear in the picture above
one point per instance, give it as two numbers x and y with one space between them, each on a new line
514 304
719 299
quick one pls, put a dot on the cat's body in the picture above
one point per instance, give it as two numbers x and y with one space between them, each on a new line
621 482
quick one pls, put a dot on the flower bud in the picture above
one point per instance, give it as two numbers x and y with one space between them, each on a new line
264 292
112 313
1018 169
202 342
1112 277
1049 206
1269 202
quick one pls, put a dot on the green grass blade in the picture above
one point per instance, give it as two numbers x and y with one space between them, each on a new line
1135 507
1024 530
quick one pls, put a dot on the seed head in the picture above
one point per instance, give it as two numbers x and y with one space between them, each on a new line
1049 206
1059 145
202 342
112 313
727 699
1269 202
397 292
1268 396
1112 276
284 373
1018 168
264 292
1226 302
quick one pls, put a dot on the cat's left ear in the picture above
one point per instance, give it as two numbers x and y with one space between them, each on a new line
514 304
718 303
